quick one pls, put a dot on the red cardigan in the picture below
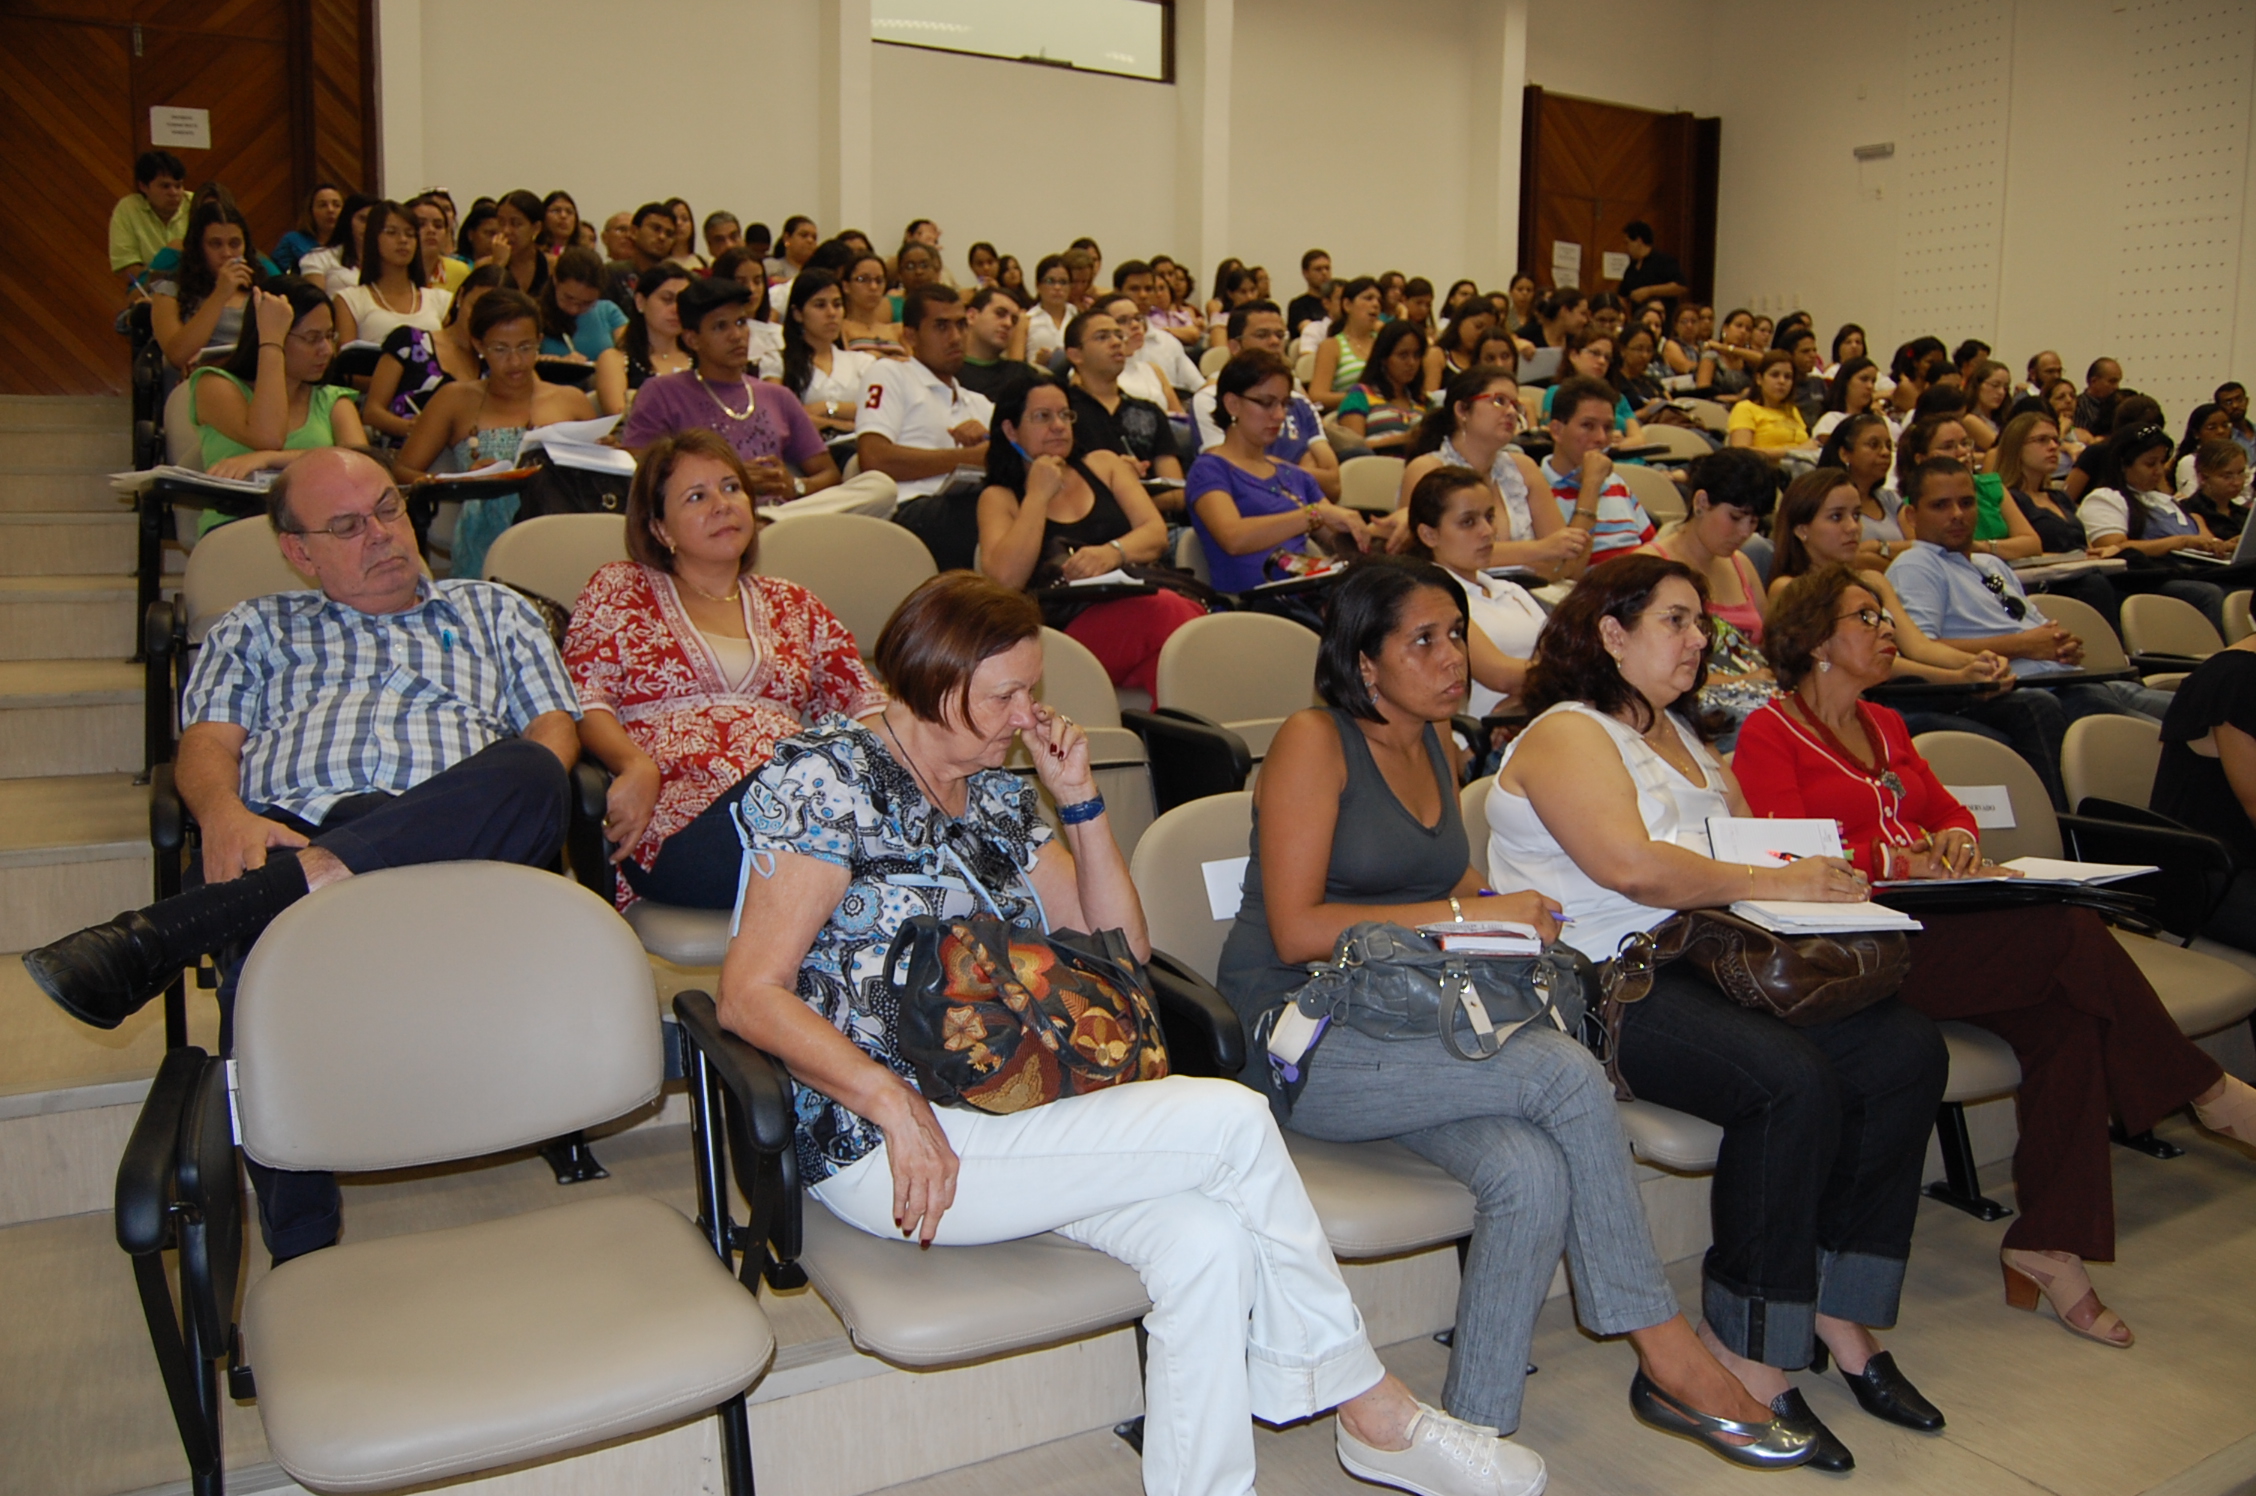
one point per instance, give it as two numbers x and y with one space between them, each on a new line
1787 771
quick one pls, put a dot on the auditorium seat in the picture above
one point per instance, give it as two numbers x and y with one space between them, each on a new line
1226 683
553 555
859 568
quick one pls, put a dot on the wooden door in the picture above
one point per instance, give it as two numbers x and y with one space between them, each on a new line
235 64
1588 169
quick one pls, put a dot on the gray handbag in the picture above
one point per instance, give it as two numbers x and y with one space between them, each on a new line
1393 983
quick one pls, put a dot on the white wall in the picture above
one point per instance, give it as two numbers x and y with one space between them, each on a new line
1649 54
614 106
1057 155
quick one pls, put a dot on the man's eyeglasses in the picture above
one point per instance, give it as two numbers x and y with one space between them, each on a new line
2015 608
349 526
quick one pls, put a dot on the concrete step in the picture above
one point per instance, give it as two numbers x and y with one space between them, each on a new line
95 449
43 489
66 617
63 543
74 850
103 412
70 717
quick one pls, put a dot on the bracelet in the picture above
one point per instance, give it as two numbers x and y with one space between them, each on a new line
1586 514
270 345
1456 910
1082 812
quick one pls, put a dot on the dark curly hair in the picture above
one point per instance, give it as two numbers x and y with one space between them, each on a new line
1571 662
1802 617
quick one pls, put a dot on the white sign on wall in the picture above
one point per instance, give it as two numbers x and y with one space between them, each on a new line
1566 263
1615 263
181 129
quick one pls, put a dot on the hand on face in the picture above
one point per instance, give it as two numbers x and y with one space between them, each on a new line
1060 750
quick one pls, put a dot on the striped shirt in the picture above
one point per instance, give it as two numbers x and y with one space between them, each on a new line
1623 525
338 702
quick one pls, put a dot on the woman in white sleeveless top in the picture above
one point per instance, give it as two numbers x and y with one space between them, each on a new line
1602 803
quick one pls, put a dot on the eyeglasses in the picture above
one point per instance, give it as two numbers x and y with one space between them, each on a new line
1106 335
1050 418
315 337
1684 621
1270 403
1871 618
349 526
2015 608
496 352
1493 397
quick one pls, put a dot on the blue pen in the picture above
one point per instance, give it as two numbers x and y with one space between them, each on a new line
446 639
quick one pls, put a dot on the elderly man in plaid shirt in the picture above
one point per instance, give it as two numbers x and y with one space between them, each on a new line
382 721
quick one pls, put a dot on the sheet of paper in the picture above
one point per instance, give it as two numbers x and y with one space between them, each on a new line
1615 263
1793 917
1992 804
1113 578
1225 885
1772 843
1566 262
581 433
2058 870
590 459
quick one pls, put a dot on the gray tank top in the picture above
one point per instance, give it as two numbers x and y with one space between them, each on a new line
1380 855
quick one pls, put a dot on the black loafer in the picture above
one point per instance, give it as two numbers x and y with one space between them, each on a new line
1828 1452
105 973
1887 1393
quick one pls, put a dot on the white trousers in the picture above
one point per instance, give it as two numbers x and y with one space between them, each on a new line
1188 1182
873 494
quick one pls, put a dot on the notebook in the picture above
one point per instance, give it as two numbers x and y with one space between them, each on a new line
1792 917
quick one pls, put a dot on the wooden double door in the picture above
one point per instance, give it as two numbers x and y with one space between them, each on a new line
1588 169
285 84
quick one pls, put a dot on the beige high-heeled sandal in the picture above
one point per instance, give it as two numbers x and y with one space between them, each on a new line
2061 1280
2232 1114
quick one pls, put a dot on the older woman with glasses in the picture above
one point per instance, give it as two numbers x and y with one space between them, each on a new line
2092 1038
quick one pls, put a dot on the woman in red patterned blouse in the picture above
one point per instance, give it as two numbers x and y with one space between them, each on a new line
2049 979
690 670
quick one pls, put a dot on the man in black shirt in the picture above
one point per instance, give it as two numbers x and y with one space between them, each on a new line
1652 276
652 240
1316 269
988 366
2095 407
1108 420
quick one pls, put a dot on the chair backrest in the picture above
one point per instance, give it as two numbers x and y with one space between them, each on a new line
1074 681
1304 368
1190 555
1243 670
1962 759
1472 803
1371 484
1709 413
1211 362
2102 650
1654 489
184 444
1682 443
2110 758
233 564
2238 624
2157 624
1169 871
555 554
445 1011
861 568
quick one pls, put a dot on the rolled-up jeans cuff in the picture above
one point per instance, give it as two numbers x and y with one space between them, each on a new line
1859 1287
1286 1387
1776 1332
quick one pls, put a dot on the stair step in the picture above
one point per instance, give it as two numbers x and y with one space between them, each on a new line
70 717
74 850
103 449
51 543
47 488
105 412
66 617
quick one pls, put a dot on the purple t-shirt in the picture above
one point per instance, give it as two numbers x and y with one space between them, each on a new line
1288 489
674 403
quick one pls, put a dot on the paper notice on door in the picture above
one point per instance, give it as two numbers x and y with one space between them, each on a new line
183 129
1992 804
1566 263
1614 264
1225 885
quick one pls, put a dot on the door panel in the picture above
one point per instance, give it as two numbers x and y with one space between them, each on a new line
1590 168
246 86
69 158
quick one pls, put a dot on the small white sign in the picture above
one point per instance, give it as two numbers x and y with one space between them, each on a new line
1615 264
184 129
1225 885
1992 804
1566 262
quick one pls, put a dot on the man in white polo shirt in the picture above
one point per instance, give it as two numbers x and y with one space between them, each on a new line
917 426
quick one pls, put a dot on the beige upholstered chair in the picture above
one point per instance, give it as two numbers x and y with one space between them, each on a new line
555 554
2111 758
861 568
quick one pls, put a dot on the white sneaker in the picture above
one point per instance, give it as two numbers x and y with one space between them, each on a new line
1446 1457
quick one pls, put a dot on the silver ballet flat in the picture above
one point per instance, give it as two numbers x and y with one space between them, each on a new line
1770 1446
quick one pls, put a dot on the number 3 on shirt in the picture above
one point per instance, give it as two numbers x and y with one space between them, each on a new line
876 394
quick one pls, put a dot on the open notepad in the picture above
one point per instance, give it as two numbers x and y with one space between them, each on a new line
2051 872
1484 937
1791 917
1772 843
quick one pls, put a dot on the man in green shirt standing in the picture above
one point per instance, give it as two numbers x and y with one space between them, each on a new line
152 215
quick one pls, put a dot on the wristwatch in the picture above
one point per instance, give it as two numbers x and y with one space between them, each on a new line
799 488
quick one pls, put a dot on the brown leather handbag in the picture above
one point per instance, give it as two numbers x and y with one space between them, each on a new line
1801 979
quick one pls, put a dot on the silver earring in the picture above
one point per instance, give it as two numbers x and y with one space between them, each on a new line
1824 665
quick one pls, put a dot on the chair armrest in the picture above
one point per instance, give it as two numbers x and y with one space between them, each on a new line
1204 1036
211 1187
758 1126
2196 869
585 846
147 1177
2146 664
168 813
758 1081
1191 757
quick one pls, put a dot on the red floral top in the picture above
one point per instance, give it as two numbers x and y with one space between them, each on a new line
1788 771
634 653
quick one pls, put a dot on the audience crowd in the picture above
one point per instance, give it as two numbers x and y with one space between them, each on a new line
1117 451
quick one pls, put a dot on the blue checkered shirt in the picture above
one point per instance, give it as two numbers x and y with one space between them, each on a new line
339 702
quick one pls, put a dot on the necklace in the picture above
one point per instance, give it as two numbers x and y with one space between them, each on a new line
734 415
1883 776
907 758
414 299
730 596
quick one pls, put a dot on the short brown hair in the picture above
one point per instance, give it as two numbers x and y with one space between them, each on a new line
1804 616
646 499
930 647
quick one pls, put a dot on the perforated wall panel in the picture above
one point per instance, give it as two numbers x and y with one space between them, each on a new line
2186 172
1960 70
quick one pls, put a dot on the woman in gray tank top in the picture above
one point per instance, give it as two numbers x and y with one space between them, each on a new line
1356 818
